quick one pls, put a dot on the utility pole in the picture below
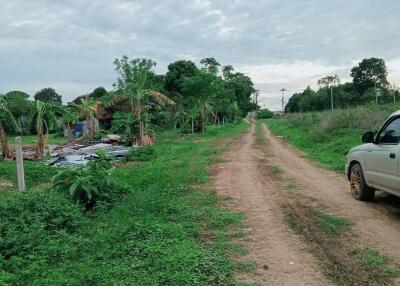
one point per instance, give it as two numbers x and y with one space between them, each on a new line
20 164
376 94
283 99
256 94
332 97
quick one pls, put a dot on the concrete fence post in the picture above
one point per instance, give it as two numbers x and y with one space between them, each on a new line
20 164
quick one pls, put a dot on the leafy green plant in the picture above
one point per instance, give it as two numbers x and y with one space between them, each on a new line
90 183
141 154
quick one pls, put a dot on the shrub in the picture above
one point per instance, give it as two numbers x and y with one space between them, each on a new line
141 154
90 183
28 218
265 114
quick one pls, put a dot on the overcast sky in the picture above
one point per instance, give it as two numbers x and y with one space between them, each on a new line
70 44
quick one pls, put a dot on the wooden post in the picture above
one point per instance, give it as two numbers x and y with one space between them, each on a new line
20 164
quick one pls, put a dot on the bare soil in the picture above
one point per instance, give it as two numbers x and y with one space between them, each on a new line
281 257
258 178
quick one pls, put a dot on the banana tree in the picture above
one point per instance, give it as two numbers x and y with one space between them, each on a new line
132 84
87 108
6 117
44 116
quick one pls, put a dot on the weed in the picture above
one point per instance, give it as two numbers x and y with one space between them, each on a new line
332 224
245 266
277 170
292 223
141 154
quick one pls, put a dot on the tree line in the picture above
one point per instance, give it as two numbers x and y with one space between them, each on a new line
187 97
369 84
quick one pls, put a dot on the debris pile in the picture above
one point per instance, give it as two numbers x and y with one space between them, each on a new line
80 154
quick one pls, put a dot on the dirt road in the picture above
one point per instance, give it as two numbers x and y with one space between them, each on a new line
281 256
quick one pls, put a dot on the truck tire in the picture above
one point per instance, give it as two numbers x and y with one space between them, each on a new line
359 188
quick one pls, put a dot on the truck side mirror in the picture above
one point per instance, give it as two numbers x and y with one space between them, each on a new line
368 137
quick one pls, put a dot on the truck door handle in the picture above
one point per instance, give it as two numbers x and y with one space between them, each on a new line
392 155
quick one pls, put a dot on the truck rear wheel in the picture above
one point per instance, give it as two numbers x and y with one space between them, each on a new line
358 186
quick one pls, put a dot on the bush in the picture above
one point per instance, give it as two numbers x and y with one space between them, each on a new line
265 114
29 218
90 183
141 154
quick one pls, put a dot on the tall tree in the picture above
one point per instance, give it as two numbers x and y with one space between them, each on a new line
227 71
134 86
18 103
177 72
369 73
98 93
329 82
211 65
6 117
44 116
48 95
202 88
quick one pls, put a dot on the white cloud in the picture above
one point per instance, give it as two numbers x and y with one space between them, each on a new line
71 44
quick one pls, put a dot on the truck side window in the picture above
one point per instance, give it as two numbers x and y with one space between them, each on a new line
391 134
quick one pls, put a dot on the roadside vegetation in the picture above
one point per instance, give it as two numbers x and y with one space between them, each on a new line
166 227
151 219
327 136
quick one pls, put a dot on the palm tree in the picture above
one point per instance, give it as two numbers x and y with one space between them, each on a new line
87 108
329 82
44 116
6 116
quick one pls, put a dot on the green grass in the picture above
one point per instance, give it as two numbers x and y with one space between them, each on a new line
32 139
36 173
331 224
168 230
330 153
370 258
327 136
277 170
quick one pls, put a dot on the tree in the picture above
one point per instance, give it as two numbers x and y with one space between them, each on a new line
18 103
98 93
44 116
87 108
20 106
6 117
133 85
369 73
177 72
202 88
242 88
48 95
227 71
211 65
329 82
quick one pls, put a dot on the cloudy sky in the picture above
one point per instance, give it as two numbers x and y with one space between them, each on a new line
70 44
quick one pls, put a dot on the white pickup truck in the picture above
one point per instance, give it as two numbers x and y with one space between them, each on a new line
374 165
